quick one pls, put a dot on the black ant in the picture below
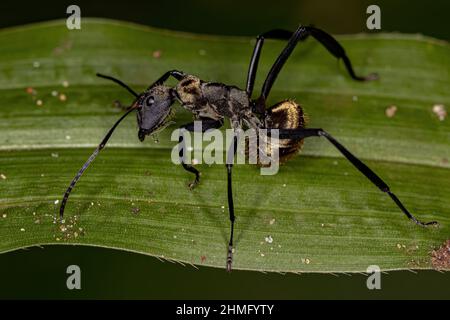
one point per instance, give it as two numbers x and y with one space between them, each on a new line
212 102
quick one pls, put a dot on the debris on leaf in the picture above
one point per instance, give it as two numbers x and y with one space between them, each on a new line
440 258
54 93
306 261
203 259
56 201
157 54
390 111
65 83
135 210
440 111
2 176
272 221
62 97
69 230
39 102
30 90
269 239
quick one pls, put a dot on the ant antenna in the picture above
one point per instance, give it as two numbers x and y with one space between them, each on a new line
92 157
119 83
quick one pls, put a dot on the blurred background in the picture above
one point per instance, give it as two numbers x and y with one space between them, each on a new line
40 272
248 17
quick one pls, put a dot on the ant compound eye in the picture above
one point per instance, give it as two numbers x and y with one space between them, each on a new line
149 101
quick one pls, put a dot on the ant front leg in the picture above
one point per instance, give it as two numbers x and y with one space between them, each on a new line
206 125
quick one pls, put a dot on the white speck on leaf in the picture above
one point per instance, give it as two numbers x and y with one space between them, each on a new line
390 111
269 239
3 176
56 201
440 111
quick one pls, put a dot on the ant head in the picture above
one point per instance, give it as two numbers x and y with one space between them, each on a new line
153 109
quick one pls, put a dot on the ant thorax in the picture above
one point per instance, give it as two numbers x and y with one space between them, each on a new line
213 100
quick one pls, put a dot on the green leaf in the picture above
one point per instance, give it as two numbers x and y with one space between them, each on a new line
322 215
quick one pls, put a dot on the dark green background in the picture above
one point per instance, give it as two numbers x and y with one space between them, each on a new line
40 272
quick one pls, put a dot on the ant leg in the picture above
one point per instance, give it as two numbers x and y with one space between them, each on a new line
229 165
358 164
206 125
326 40
278 34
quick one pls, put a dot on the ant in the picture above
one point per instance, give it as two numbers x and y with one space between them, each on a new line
212 102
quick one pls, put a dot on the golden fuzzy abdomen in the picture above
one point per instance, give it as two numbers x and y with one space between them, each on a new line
286 115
